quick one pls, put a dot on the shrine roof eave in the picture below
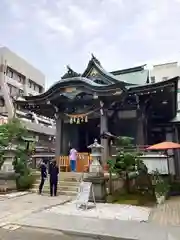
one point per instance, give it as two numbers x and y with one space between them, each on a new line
128 70
153 86
76 82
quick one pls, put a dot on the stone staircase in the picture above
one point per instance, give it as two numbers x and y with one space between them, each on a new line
68 184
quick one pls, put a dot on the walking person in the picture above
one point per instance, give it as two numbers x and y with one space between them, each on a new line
43 169
53 173
73 159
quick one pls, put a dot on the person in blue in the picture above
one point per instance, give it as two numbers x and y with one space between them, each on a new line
43 169
53 175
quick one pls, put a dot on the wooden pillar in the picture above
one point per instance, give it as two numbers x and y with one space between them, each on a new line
140 138
177 153
59 132
104 142
169 138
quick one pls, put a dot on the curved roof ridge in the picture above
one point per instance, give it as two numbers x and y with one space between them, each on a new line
70 73
96 63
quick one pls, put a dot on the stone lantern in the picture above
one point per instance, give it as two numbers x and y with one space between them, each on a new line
96 153
96 175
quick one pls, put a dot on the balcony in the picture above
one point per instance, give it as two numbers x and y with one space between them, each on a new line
31 91
14 83
39 128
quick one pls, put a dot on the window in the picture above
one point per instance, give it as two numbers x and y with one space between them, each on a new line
39 89
30 83
20 79
178 106
153 80
9 72
21 92
165 78
13 91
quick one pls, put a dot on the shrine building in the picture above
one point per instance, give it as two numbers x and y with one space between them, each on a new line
122 103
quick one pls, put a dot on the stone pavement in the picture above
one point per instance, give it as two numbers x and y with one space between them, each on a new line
35 211
12 208
99 228
104 211
167 213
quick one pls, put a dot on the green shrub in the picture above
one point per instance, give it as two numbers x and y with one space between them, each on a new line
162 186
25 182
175 187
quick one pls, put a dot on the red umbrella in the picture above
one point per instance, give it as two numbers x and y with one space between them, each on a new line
164 146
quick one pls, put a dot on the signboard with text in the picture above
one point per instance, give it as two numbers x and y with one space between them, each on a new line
84 193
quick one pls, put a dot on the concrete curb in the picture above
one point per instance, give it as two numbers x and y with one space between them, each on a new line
77 233
7 196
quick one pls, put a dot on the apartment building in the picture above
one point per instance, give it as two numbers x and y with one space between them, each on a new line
162 72
17 79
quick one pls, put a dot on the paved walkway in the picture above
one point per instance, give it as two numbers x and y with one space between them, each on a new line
104 211
12 208
167 214
33 210
98 228
33 233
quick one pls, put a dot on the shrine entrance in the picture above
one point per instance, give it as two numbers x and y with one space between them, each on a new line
87 133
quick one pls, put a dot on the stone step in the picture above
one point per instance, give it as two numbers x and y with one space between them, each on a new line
68 176
60 187
46 191
68 184
61 183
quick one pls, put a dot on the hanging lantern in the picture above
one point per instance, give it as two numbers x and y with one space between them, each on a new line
78 121
86 119
71 121
74 119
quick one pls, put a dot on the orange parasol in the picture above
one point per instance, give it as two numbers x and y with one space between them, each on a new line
164 146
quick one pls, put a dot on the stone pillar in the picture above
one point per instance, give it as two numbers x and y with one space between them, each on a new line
104 142
59 132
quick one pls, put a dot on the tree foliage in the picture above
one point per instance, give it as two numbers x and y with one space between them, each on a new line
12 137
128 163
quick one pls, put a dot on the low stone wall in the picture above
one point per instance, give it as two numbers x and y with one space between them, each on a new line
116 185
7 182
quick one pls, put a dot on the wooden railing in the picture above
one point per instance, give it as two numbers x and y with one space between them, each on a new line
83 161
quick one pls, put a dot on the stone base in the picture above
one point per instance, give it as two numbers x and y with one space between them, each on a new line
99 188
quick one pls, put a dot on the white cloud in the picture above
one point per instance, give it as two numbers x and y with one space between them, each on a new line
121 33
85 20
54 23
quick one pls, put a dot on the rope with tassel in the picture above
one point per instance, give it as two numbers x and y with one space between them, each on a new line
79 118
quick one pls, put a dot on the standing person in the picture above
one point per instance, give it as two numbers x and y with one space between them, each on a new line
43 169
53 173
73 159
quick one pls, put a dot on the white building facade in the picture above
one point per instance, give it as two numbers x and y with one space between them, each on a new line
162 72
17 79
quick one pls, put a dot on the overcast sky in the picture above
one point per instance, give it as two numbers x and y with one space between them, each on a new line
121 33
